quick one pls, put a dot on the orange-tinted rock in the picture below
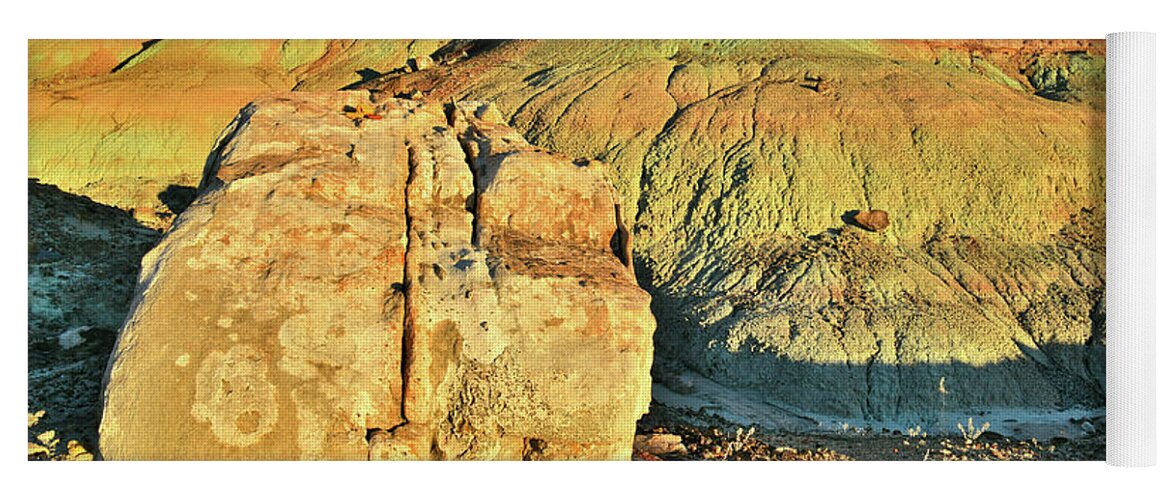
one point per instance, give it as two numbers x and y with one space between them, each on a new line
874 220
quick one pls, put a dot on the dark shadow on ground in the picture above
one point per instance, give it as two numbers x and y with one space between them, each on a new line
83 261
145 45
1053 392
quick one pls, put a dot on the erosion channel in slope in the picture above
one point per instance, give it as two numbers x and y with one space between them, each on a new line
981 298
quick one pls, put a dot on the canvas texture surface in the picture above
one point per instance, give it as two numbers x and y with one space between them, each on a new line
567 249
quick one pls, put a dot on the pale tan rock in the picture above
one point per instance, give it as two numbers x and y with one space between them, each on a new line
659 444
421 63
559 349
267 325
358 290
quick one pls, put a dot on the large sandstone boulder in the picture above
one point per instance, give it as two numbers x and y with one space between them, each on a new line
418 283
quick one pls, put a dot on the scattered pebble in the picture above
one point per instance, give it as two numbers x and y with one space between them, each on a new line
72 337
659 444
708 437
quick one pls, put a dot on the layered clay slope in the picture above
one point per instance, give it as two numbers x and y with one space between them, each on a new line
394 282
747 161
121 120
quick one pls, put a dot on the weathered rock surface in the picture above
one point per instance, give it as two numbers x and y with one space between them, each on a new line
352 289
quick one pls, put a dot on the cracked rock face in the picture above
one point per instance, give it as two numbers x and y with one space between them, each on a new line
426 285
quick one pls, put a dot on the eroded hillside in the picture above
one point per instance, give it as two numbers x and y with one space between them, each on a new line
747 161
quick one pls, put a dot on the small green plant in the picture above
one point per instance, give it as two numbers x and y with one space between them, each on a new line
971 433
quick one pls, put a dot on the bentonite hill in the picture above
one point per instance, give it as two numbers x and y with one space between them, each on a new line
841 243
